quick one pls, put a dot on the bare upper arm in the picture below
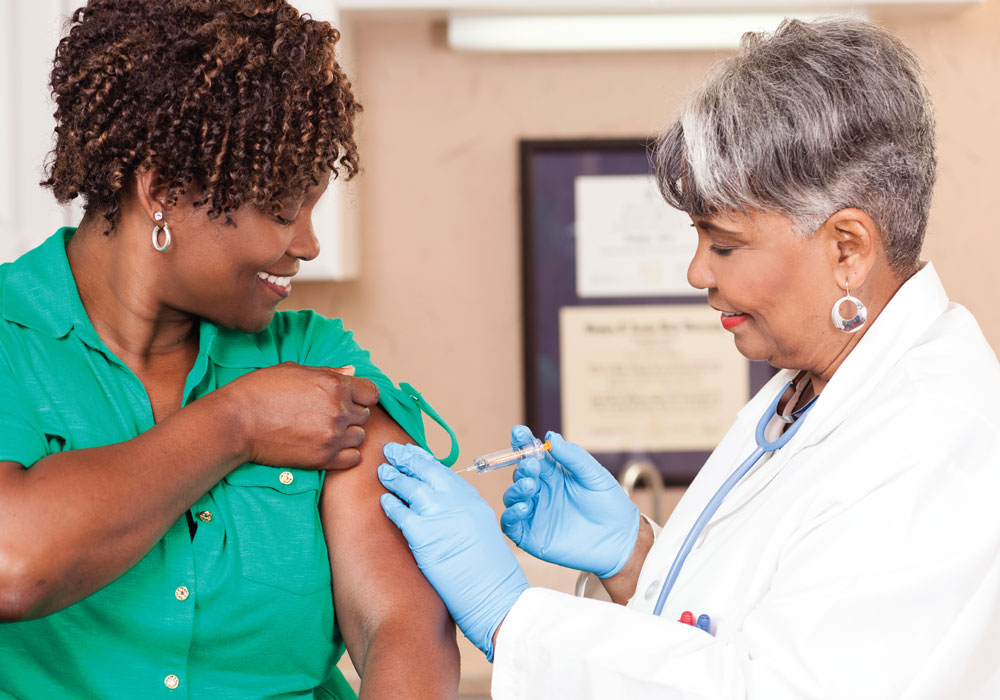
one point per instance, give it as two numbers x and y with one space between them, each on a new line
374 574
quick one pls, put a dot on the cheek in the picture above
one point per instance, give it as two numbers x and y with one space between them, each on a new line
756 289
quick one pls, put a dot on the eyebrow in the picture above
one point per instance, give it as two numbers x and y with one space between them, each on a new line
709 226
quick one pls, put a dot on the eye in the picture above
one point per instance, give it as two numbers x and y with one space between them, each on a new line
282 220
720 251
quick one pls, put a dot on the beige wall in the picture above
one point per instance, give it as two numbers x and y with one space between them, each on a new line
438 300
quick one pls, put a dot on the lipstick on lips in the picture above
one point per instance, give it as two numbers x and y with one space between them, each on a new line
730 321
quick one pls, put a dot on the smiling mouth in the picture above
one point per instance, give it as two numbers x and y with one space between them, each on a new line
279 285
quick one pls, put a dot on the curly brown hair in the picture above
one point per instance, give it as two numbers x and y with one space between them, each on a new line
242 98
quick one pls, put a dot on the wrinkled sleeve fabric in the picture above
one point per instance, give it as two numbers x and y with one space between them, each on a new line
880 594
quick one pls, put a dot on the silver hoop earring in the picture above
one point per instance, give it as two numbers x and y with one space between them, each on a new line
156 233
849 325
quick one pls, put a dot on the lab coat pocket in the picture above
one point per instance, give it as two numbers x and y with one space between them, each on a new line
276 525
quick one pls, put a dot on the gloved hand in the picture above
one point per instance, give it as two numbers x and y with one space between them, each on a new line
455 539
569 511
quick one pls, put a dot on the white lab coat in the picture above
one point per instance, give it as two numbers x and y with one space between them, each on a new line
860 561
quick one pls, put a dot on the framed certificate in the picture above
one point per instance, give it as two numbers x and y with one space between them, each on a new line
621 355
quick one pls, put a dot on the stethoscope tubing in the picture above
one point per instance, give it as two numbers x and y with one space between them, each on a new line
763 446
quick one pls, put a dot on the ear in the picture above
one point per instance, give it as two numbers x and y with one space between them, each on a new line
149 192
855 242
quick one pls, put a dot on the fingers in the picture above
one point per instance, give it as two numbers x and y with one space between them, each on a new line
396 511
344 444
354 436
420 464
528 467
345 459
523 490
356 414
409 489
512 522
521 436
364 392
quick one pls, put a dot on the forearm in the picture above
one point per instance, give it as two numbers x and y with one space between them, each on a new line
411 657
622 585
77 520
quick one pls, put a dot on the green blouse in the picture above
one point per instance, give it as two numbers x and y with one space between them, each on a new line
243 609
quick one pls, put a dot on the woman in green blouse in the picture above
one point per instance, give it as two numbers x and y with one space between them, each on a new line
182 474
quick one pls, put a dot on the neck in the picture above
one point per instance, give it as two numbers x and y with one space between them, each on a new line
117 286
877 292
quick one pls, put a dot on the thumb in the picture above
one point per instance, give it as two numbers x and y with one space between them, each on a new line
346 370
579 463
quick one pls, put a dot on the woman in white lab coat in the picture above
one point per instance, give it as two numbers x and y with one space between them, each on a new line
858 561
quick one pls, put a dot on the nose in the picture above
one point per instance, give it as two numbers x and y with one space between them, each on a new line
699 273
305 245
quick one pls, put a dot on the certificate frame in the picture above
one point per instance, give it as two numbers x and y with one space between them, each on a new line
548 170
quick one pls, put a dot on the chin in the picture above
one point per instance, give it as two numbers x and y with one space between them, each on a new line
250 326
753 353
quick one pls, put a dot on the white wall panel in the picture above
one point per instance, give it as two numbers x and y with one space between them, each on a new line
334 218
30 31
6 120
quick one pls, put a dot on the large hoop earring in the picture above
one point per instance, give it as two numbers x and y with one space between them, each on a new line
849 325
156 233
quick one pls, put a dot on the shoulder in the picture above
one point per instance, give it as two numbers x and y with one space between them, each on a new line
309 338
930 425
295 331
948 379
304 337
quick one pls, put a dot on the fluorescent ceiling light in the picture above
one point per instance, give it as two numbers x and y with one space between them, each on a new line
624 32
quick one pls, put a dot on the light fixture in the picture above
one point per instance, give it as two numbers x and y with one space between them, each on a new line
611 32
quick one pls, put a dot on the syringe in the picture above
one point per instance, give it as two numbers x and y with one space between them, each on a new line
508 457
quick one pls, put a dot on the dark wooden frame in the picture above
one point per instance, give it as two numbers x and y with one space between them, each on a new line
547 170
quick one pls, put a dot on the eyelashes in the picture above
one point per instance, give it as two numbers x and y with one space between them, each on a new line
720 251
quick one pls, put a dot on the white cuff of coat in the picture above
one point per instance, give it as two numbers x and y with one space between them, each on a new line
652 524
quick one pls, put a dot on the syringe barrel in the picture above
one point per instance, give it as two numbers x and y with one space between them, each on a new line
509 457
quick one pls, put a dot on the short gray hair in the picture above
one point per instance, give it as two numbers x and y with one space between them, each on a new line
809 120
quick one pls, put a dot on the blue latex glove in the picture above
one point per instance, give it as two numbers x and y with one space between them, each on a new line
569 511
454 537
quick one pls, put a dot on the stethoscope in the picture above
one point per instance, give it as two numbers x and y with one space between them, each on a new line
763 446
